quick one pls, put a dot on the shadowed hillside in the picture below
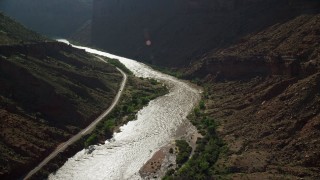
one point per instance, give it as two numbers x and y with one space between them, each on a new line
58 18
48 92
172 33
263 95
14 33
257 60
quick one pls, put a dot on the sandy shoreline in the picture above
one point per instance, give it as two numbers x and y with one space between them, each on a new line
165 159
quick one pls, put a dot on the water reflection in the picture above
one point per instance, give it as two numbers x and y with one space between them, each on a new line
156 126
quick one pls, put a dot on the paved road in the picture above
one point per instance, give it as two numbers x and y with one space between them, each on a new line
85 131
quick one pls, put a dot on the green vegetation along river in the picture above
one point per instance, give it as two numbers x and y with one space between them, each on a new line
155 126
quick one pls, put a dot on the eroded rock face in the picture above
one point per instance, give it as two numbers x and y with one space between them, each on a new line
181 30
265 93
290 49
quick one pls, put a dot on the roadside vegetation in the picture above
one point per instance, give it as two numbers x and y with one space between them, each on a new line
137 94
118 64
48 92
202 163
47 95
172 72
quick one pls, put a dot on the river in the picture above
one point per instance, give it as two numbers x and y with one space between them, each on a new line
156 125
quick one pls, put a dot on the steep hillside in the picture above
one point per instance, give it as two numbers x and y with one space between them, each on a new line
82 35
264 92
59 18
172 33
48 92
291 48
14 33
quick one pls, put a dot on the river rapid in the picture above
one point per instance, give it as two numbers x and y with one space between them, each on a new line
156 125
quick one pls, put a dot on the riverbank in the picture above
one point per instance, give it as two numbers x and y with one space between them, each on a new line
85 131
154 126
165 159
136 86
49 92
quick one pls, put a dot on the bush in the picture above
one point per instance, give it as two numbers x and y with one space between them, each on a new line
197 112
184 152
118 64
202 105
153 81
201 164
108 128
91 140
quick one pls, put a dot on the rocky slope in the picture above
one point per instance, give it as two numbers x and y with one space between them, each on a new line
48 91
14 33
291 49
57 18
173 33
264 91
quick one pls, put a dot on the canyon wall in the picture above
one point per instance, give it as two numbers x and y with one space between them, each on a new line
173 33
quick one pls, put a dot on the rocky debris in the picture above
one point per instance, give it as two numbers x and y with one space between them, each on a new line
161 161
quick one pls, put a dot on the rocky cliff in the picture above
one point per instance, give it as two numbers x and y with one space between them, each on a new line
173 33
